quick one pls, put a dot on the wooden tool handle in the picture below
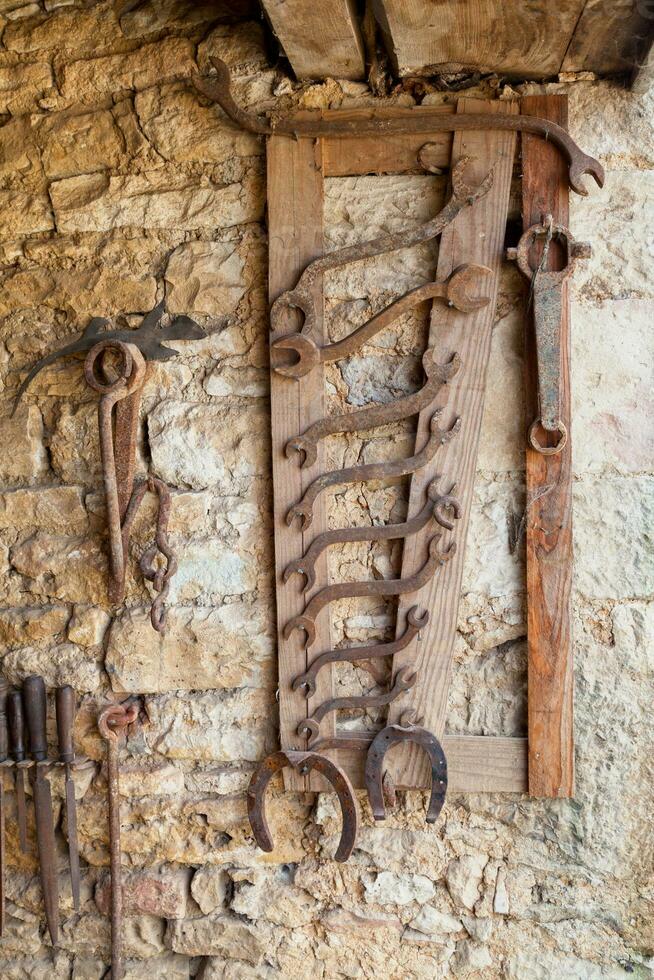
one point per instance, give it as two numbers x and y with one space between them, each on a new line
65 706
4 738
16 725
34 699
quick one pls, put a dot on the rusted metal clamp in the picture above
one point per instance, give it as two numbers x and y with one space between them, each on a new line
304 762
217 88
382 742
547 298
373 471
436 508
112 722
307 681
382 587
437 374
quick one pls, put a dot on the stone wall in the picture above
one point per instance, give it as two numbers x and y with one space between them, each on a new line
119 186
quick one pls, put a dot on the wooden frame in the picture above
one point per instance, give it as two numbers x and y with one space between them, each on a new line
296 170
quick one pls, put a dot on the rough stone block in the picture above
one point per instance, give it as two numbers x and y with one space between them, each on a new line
64 663
65 29
153 15
162 893
24 214
80 144
32 627
200 446
220 726
271 895
205 277
28 461
22 85
226 647
217 935
209 889
464 877
87 81
388 888
60 567
50 509
88 626
154 200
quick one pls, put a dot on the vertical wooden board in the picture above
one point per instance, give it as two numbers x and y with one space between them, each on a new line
549 503
423 36
611 36
476 236
319 39
295 228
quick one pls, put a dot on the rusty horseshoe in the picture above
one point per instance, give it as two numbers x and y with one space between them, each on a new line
382 742
383 587
304 762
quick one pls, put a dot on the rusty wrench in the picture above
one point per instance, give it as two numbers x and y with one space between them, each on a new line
457 290
383 587
304 762
547 297
435 508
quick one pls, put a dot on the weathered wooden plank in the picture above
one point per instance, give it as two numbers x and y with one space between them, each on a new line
475 764
549 505
527 40
390 155
319 39
295 228
477 236
611 36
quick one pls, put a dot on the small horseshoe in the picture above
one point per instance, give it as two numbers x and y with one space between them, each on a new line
380 745
304 762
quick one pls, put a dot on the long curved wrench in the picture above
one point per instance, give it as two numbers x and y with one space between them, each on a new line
460 290
372 471
382 742
307 681
404 680
438 375
304 762
547 298
218 88
351 590
435 509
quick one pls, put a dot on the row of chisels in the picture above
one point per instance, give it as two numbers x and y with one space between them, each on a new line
24 745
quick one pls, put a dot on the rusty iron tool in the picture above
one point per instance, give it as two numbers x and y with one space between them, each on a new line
217 88
438 375
4 759
435 508
382 587
118 412
17 752
112 722
65 711
159 576
457 290
147 337
304 762
307 681
547 298
383 741
34 700
372 471
403 681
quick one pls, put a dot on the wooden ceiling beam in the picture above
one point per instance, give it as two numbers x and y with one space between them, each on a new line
320 39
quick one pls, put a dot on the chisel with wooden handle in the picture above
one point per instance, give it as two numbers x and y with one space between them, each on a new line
65 705
4 748
17 753
35 703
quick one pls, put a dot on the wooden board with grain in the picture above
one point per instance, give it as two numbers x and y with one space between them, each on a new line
319 39
477 236
525 40
295 230
548 525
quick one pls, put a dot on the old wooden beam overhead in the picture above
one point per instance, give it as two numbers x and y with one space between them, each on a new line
319 39
429 37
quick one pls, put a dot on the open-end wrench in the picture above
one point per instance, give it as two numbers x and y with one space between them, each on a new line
547 299
436 508
218 88
460 289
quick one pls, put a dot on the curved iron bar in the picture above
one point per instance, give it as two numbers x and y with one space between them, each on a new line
217 88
